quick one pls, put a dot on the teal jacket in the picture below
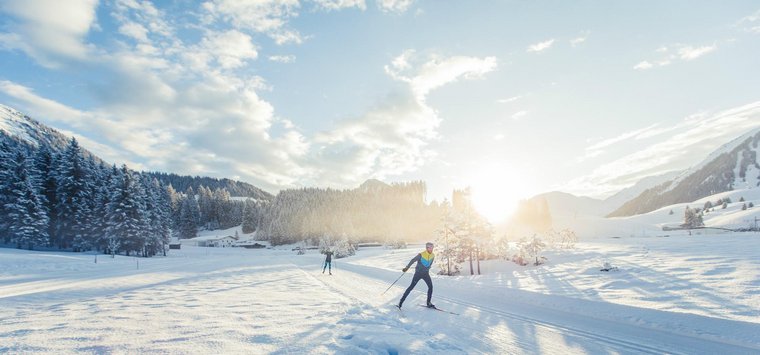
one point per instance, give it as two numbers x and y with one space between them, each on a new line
424 261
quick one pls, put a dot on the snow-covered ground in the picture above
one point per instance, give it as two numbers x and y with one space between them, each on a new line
676 294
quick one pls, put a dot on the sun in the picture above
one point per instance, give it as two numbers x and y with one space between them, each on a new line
496 191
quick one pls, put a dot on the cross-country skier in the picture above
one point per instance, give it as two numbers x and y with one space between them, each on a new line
328 261
424 261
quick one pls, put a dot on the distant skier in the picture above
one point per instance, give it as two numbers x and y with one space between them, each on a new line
424 261
328 262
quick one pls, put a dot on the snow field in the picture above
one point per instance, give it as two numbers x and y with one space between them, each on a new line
678 294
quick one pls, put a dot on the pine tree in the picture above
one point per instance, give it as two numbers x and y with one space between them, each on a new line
188 226
71 196
250 216
163 215
6 161
692 218
45 162
100 198
207 210
126 213
27 220
195 212
174 204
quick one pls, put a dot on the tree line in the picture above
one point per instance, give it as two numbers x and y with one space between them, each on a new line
382 213
70 200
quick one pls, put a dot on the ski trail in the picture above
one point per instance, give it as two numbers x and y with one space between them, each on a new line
374 316
595 334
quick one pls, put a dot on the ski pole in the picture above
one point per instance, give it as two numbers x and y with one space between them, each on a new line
394 282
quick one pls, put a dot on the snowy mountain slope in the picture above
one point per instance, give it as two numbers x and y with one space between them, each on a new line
615 201
564 205
734 165
673 297
22 127
652 223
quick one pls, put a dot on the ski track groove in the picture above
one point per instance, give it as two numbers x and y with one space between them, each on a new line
559 329
613 341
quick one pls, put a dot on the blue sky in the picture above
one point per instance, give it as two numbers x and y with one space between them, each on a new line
512 98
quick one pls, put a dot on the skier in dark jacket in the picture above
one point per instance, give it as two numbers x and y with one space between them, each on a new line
424 261
328 261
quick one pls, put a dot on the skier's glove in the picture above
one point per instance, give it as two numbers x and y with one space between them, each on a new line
404 269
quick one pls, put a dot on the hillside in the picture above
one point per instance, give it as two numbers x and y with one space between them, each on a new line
734 165
652 223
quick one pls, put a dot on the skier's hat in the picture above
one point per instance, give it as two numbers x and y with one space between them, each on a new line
429 244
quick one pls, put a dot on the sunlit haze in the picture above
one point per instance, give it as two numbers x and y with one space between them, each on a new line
496 191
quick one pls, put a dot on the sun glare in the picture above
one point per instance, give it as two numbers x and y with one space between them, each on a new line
496 193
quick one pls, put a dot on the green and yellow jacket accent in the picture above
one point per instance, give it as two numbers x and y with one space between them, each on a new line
424 261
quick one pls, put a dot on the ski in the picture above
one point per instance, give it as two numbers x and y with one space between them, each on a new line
438 309
398 309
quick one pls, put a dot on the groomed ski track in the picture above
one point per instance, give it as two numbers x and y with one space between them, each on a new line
527 322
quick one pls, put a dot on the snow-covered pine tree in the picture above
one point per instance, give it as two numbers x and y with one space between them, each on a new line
206 208
100 199
27 220
502 247
533 248
250 216
45 162
156 205
126 212
220 209
72 214
6 159
447 242
692 218
188 225
195 212
342 247
175 200
86 239
164 200
152 241
142 215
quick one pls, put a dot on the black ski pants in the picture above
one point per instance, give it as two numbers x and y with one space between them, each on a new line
417 277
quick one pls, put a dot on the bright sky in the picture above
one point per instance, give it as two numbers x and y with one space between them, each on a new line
585 97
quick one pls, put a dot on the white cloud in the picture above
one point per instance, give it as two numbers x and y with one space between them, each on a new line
332 5
519 115
691 53
47 107
392 138
541 46
509 99
644 65
751 23
263 16
438 71
230 49
134 30
283 58
580 39
397 6
49 31
674 53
